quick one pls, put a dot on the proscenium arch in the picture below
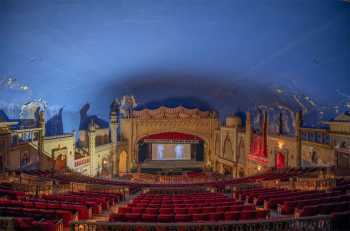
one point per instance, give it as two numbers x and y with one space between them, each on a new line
201 137
141 137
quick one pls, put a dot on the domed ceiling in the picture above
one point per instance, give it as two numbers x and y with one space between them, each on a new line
233 55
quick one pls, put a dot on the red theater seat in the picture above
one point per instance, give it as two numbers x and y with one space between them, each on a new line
23 223
137 210
151 211
220 209
166 218
117 217
165 211
194 210
181 210
247 215
133 217
124 210
183 217
216 216
200 217
149 217
208 210
45 225
231 216
306 211
262 214
65 215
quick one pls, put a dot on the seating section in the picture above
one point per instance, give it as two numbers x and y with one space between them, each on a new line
299 203
192 207
51 212
177 202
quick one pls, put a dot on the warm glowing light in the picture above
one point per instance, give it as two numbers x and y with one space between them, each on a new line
280 144
259 168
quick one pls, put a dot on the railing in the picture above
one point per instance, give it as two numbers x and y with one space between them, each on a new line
172 179
314 135
316 223
303 184
82 161
315 184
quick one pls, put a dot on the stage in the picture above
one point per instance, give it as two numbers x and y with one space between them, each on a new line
167 166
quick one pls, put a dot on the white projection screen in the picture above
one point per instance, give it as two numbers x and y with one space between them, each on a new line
171 151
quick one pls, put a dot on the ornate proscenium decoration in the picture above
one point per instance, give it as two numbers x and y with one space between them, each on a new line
146 122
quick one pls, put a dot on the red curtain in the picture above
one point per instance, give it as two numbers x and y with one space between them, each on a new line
280 161
172 136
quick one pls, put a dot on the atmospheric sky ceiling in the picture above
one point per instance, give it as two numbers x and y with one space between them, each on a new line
69 52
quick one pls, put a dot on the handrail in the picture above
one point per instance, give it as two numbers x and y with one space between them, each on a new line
315 223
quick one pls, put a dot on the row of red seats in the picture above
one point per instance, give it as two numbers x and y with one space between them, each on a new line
37 214
28 223
13 194
187 205
115 197
97 204
289 205
197 217
249 195
260 199
169 208
68 207
193 194
82 211
186 210
273 201
323 209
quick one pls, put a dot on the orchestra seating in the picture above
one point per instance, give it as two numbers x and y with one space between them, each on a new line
55 211
191 207
298 203
248 200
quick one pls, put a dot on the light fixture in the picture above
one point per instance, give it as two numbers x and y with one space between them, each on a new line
280 144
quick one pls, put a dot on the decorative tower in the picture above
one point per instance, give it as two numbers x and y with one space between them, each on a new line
280 124
113 124
248 137
298 124
91 149
41 132
265 132
5 142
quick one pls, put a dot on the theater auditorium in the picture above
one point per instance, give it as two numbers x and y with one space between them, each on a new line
175 167
174 115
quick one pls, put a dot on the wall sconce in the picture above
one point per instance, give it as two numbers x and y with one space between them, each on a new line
280 144
259 168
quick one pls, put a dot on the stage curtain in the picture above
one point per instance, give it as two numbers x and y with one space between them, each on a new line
143 152
200 151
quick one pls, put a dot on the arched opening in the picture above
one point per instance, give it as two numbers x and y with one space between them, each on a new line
105 167
217 145
122 163
241 150
227 170
60 162
280 161
228 152
170 146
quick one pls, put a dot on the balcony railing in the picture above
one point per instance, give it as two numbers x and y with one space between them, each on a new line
316 223
82 161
